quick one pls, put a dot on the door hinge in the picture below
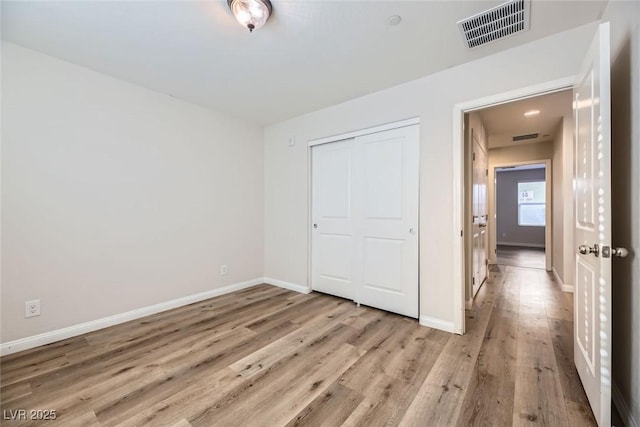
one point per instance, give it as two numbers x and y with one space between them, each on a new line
474 155
486 172
461 233
473 280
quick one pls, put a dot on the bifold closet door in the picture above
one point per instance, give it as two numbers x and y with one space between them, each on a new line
365 219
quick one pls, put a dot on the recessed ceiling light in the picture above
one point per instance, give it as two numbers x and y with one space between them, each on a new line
394 20
531 113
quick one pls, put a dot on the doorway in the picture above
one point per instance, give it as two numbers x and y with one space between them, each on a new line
590 228
501 152
522 213
508 149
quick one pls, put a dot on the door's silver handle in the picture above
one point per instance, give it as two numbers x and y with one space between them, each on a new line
412 231
619 252
315 225
607 252
586 250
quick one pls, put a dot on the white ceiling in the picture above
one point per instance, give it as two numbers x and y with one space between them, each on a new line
505 121
309 55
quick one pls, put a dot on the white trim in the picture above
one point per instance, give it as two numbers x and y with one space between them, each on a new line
287 285
517 94
434 323
623 408
459 258
93 325
522 245
309 217
564 286
548 242
368 131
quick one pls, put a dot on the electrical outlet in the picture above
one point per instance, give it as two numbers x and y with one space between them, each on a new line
224 269
32 308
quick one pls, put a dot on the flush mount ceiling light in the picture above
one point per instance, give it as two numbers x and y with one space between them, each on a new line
394 20
251 14
532 113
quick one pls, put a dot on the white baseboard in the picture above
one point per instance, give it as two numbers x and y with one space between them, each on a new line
623 408
287 285
434 323
82 328
524 245
564 286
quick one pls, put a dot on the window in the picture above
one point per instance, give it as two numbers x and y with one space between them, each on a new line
531 203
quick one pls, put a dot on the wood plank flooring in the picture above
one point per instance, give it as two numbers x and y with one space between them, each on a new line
517 256
266 356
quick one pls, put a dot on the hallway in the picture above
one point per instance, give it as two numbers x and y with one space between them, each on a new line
524 372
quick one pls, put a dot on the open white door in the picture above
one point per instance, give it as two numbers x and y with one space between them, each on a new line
592 174
480 213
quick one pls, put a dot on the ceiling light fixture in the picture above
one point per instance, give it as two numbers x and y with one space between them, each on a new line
251 14
394 20
532 113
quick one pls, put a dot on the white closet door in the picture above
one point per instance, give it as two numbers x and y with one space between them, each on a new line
365 219
333 240
388 225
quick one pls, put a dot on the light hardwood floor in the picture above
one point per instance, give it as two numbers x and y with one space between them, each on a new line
517 256
269 357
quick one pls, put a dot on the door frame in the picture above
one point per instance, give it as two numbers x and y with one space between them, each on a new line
339 137
458 177
548 186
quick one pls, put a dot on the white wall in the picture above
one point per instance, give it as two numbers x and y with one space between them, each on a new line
558 194
625 137
563 204
115 197
567 203
431 98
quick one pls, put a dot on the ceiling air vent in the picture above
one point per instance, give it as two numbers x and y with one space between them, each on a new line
525 137
498 22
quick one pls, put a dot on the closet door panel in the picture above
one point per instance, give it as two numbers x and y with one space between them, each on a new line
333 220
388 226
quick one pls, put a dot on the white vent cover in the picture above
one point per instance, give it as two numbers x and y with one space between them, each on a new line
498 22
